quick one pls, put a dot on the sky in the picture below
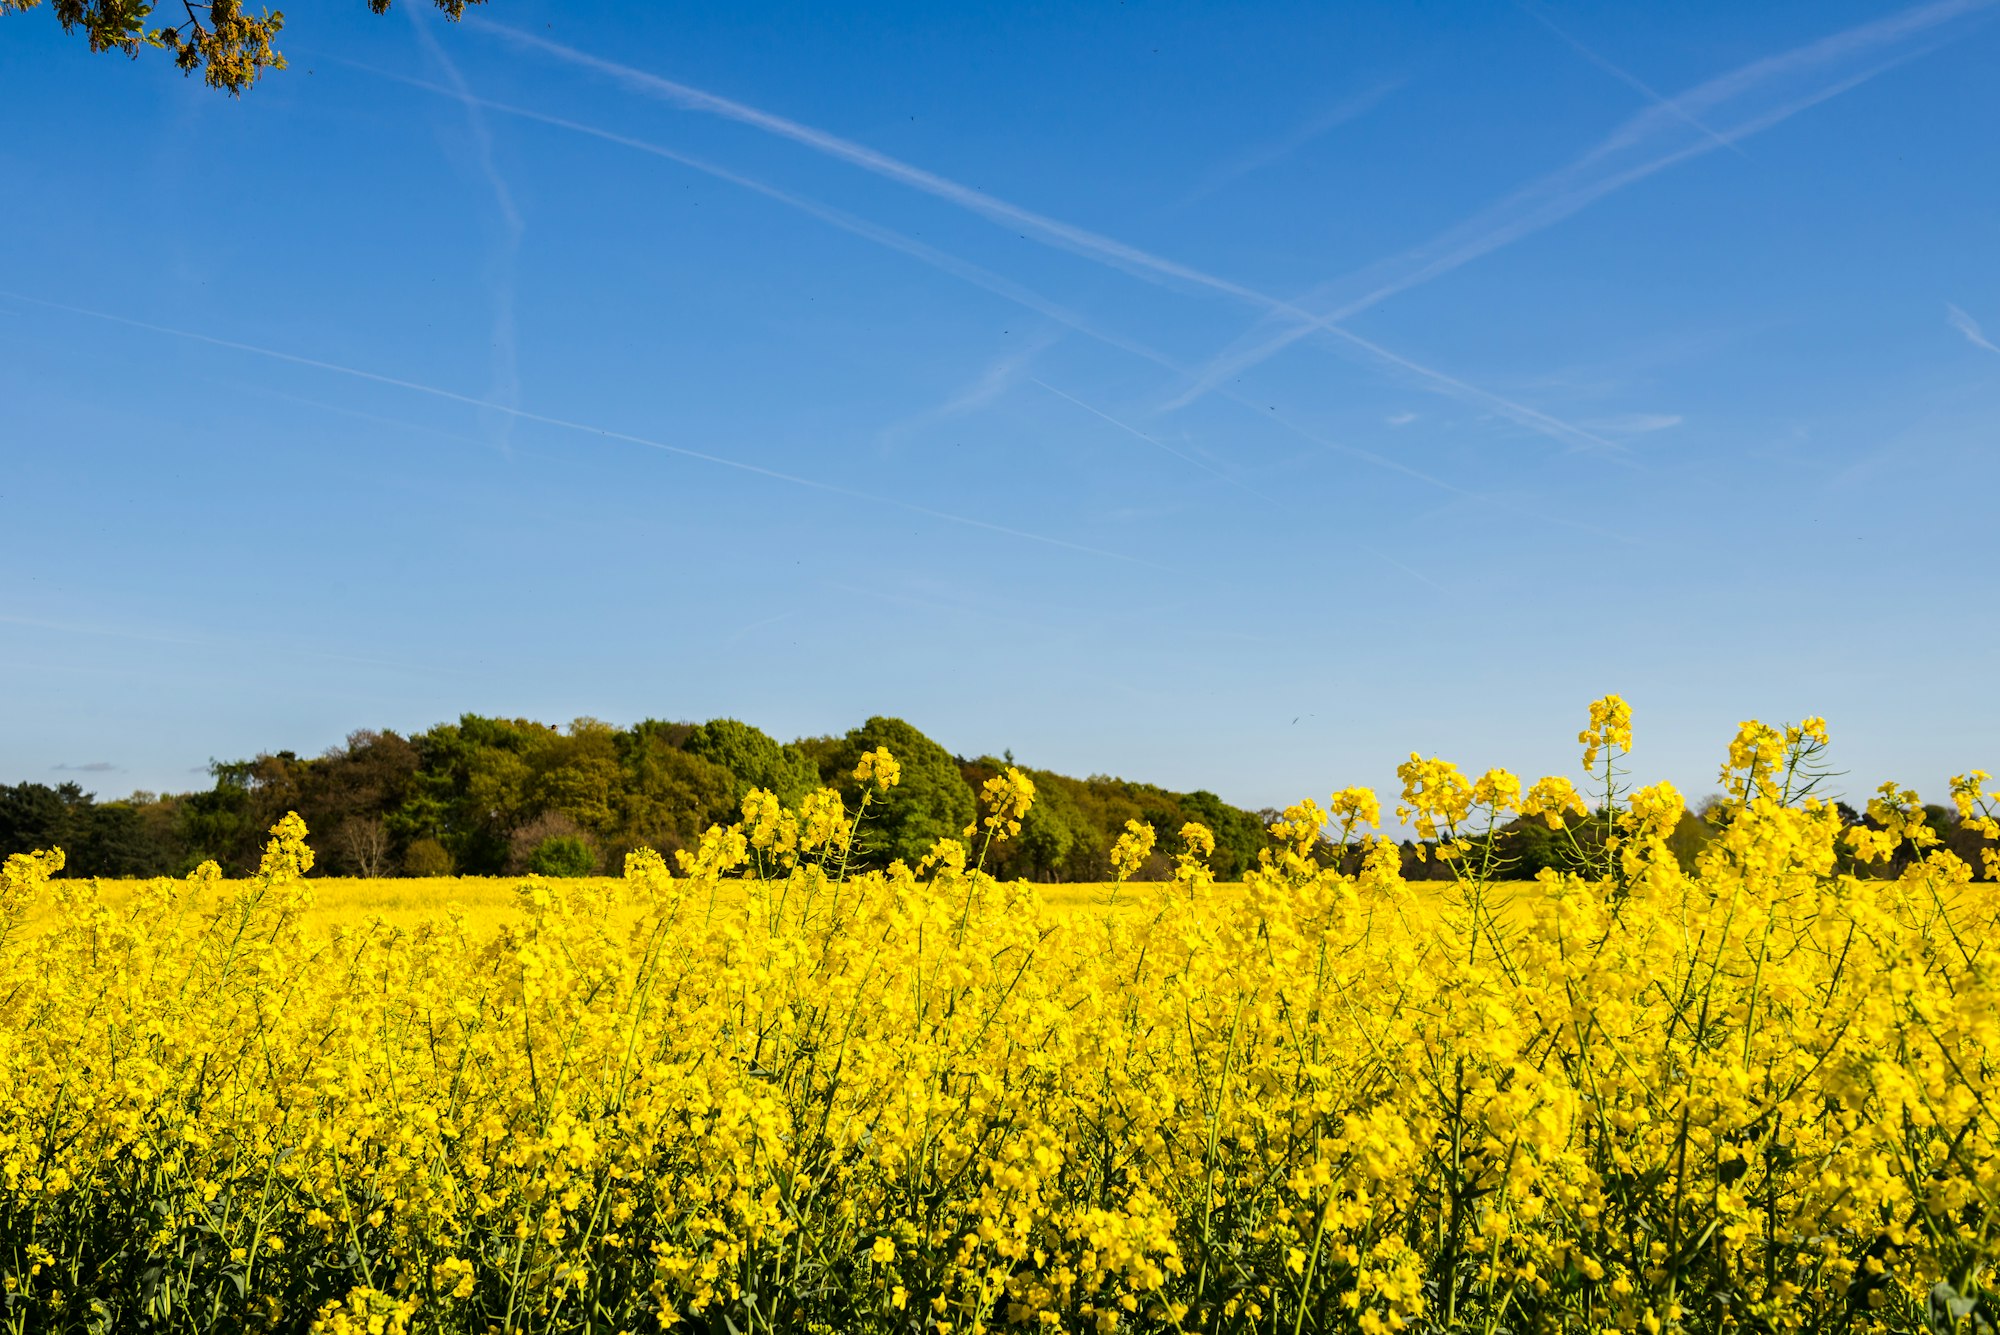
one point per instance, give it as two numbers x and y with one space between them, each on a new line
1238 397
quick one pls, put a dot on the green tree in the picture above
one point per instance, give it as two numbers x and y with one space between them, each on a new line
427 857
473 788
1056 841
755 758
931 802
578 776
118 840
34 816
1056 838
1239 834
221 824
563 855
669 796
823 755
228 46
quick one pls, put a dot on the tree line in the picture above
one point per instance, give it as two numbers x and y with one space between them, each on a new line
490 796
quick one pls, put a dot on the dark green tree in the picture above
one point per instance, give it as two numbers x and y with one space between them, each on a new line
472 789
34 816
118 839
220 825
670 796
931 802
563 855
755 758
1239 834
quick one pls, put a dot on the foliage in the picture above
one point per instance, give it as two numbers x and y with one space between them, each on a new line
753 758
477 795
427 857
230 47
104 838
932 802
563 855
1754 1096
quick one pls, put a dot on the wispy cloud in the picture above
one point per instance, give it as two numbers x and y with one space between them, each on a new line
1635 424
735 636
921 251
1053 231
984 390
1630 80
589 429
1026 222
1400 419
505 262
1191 460
1648 143
236 646
1534 419
944 262
1450 488
92 767
341 410
1968 326
1277 150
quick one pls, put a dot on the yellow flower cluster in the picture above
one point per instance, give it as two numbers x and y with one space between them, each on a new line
1006 797
1436 797
1610 728
763 1095
1131 849
879 768
1980 811
1555 800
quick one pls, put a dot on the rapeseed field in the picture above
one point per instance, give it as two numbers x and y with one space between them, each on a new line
488 902
762 1091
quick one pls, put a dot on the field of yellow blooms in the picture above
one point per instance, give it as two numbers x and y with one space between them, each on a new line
763 1092
488 902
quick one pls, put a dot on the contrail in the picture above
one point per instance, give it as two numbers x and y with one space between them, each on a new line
587 428
945 262
1075 239
995 282
1264 155
1154 441
1969 327
1630 80
1064 236
1563 193
506 360
1451 488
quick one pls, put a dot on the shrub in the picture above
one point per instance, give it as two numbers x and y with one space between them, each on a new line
563 855
427 857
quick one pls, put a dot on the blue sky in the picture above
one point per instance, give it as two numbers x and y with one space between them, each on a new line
1238 397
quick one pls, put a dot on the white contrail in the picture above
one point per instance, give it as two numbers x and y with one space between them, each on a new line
1968 326
586 428
1068 237
1005 288
1265 155
1452 488
506 260
1155 442
1624 76
1567 191
944 261
990 386
1064 236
